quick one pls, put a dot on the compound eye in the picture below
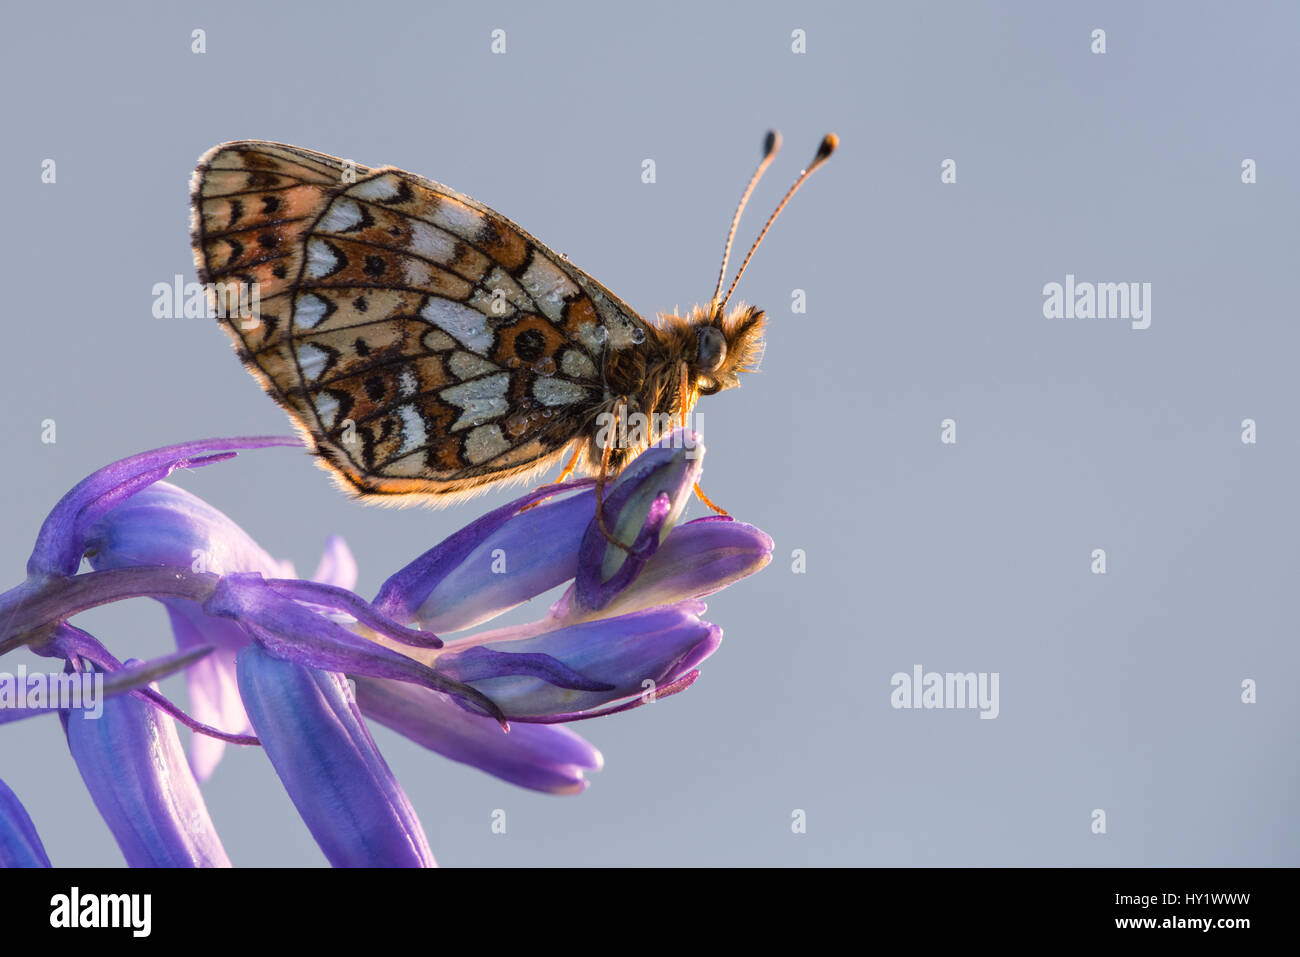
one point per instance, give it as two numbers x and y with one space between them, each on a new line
712 349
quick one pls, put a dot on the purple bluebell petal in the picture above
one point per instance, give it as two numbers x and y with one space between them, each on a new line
599 592
540 757
133 766
529 629
676 686
531 553
658 645
340 599
167 525
61 540
20 845
633 507
337 565
313 733
479 662
696 559
292 632
539 542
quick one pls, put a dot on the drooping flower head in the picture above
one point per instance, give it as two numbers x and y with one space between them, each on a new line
274 660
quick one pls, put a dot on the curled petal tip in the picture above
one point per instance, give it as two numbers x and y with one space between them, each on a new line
603 661
545 758
60 543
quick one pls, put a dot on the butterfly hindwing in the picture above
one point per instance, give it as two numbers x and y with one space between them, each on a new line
427 344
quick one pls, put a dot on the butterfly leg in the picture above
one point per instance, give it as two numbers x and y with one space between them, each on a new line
684 394
709 502
682 401
568 470
619 412
573 464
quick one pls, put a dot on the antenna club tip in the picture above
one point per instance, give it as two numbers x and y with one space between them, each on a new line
771 143
829 143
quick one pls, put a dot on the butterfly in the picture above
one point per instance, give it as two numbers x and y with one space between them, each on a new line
427 346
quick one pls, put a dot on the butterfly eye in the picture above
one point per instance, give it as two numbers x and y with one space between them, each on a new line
712 349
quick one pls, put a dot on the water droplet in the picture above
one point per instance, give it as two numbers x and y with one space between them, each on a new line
513 362
517 425
601 333
544 366
638 334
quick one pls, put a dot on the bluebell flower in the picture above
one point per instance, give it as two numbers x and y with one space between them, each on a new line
266 654
312 731
135 770
166 525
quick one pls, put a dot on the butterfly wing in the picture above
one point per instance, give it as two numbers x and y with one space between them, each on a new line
424 342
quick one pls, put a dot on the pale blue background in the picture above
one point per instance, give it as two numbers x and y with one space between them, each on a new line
924 302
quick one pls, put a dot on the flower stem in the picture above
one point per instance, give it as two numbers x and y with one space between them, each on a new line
30 610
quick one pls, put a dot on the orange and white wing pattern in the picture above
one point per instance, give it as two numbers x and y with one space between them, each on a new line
428 345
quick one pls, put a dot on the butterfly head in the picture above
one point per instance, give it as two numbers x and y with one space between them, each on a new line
725 345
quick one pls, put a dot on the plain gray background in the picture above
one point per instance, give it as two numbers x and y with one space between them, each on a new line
1120 692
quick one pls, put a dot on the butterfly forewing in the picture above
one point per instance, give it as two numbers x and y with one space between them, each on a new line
427 344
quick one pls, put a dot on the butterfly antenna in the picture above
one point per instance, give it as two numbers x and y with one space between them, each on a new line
829 142
770 146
